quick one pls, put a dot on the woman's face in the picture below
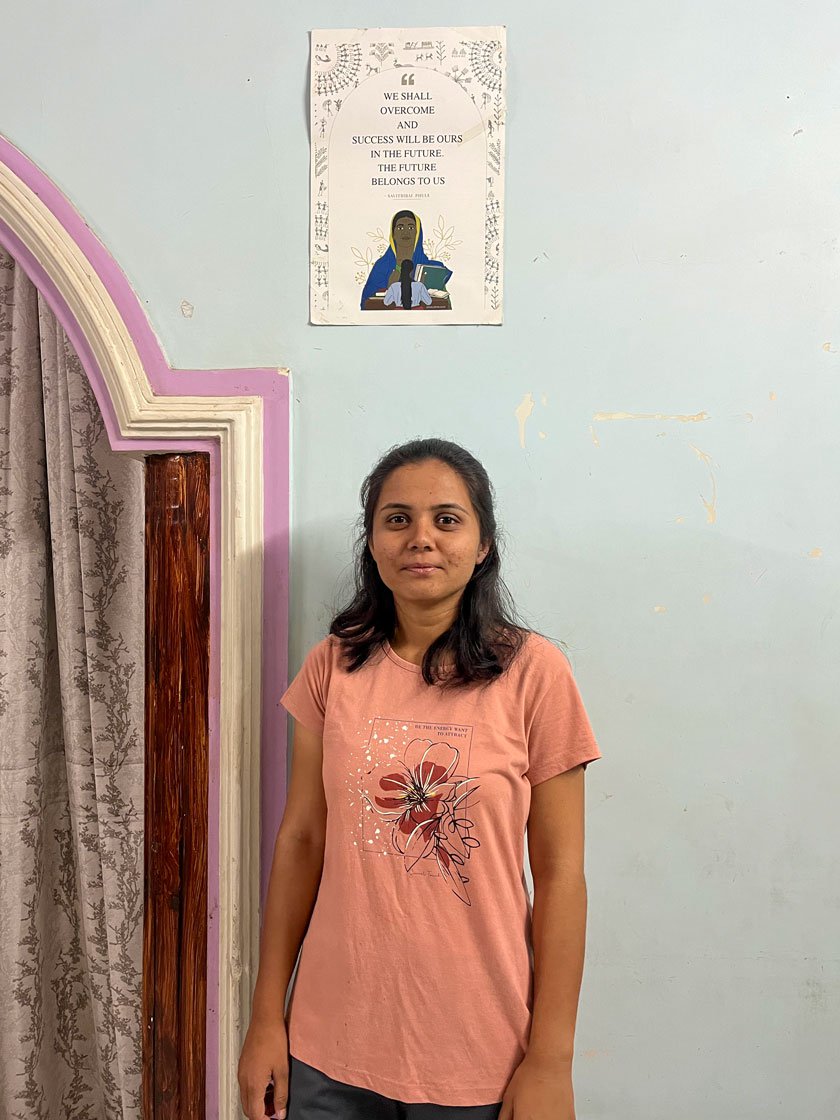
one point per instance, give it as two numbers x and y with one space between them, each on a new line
426 538
405 232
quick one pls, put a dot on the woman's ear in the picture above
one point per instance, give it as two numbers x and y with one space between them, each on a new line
483 553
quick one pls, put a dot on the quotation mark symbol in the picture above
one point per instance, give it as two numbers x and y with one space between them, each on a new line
407 79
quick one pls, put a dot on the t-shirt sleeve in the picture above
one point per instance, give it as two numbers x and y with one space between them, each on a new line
559 733
306 697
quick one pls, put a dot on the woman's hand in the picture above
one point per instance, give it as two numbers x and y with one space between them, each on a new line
264 1058
539 1090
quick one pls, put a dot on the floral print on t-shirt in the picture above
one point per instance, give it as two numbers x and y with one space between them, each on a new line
422 800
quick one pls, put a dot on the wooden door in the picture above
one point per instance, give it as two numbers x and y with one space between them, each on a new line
177 676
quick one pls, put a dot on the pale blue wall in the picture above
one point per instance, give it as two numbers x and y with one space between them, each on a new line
673 198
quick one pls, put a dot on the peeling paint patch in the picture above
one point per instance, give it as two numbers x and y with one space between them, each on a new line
595 439
707 599
827 348
522 411
542 435
650 416
187 309
660 609
815 553
772 396
679 520
711 506
544 399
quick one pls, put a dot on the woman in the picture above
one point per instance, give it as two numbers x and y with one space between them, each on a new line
407 293
429 729
405 242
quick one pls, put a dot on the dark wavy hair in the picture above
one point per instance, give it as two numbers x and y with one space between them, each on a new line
486 635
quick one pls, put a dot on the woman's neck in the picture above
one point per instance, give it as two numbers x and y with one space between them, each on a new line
415 631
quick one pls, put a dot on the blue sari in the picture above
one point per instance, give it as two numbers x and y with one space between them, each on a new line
380 274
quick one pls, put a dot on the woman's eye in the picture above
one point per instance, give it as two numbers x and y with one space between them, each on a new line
450 518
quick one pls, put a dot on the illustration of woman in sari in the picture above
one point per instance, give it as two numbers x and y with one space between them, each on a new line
405 243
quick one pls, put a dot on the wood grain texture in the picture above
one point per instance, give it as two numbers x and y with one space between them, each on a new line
177 668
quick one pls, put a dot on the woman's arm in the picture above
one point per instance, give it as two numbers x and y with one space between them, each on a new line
295 876
555 851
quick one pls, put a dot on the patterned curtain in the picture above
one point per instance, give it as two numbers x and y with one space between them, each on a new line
72 656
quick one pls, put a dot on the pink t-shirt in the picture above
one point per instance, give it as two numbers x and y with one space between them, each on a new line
415 974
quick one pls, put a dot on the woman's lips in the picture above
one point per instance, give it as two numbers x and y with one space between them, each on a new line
422 569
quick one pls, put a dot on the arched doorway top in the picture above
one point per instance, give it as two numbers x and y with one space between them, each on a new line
148 406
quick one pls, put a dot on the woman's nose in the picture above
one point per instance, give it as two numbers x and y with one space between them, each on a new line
421 534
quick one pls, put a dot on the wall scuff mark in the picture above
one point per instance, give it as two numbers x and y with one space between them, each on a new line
711 506
649 416
522 411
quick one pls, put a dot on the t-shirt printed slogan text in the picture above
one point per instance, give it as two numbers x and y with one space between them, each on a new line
416 799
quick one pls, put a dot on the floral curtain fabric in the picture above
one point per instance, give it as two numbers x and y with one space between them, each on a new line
72 655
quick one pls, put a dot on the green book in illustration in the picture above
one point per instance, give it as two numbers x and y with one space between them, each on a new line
434 276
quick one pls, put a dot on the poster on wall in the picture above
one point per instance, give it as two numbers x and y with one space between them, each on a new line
407 175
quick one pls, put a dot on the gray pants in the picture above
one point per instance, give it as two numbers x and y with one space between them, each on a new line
314 1096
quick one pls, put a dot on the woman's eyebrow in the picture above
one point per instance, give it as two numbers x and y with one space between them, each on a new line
440 505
